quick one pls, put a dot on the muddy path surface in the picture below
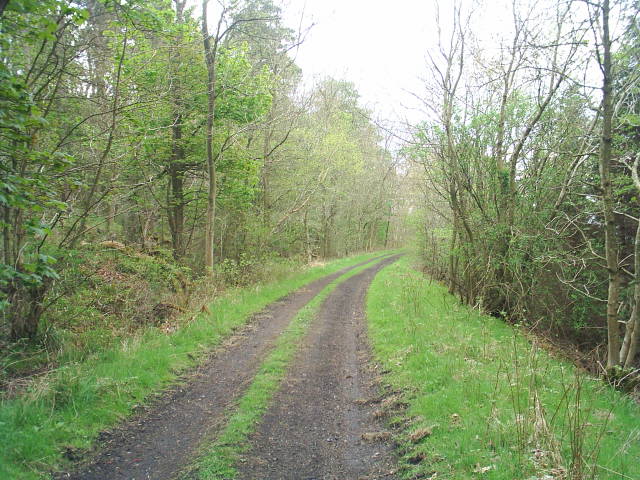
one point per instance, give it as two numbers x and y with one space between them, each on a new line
320 425
157 443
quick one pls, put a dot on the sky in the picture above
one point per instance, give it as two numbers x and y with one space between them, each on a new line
382 46
379 45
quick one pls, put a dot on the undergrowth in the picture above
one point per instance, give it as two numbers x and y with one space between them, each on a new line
63 410
108 292
483 400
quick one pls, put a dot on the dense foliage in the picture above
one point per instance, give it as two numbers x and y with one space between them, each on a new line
120 132
530 161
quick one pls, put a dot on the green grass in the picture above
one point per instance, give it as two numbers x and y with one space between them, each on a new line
67 408
497 406
219 459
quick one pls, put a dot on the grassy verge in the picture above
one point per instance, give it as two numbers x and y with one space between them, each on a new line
219 459
106 294
484 401
65 410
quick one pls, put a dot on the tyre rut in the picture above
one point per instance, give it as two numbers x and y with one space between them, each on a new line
317 425
157 442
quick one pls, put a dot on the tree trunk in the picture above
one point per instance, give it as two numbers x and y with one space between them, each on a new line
307 243
176 196
177 167
387 226
25 309
3 5
266 161
210 60
632 333
453 264
611 243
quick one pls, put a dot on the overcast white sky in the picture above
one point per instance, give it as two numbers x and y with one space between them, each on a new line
380 45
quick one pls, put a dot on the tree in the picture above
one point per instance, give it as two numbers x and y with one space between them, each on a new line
611 246
212 47
26 162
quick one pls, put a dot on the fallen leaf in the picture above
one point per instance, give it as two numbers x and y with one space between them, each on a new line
376 436
480 469
419 434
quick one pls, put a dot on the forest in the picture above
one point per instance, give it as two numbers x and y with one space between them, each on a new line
169 177
530 184
122 129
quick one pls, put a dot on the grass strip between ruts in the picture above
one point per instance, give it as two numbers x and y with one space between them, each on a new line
67 409
219 458
484 400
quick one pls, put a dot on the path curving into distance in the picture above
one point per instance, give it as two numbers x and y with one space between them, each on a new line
159 442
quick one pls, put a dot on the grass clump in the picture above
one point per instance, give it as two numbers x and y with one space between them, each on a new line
63 410
220 458
495 405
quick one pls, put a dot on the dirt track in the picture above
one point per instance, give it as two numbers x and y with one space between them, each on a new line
158 442
319 427
312 431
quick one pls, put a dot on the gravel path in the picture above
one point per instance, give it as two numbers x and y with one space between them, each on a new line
157 442
319 426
